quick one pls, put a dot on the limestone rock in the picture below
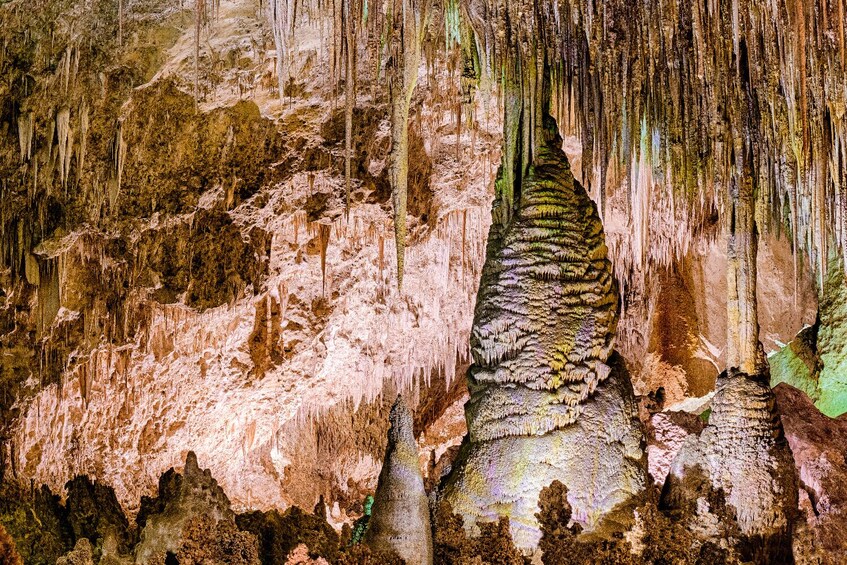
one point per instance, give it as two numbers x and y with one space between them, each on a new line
798 364
818 444
182 498
37 522
816 360
547 310
206 541
743 460
300 556
279 534
666 434
544 404
94 513
8 552
601 456
832 342
80 555
400 518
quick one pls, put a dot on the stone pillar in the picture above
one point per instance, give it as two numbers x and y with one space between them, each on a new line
400 517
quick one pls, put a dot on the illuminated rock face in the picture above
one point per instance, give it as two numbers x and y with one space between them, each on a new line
816 361
400 516
545 405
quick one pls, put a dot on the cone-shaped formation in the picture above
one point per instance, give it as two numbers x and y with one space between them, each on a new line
546 311
544 404
400 517
743 454
182 498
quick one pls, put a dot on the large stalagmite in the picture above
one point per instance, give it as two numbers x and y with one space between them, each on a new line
400 517
547 403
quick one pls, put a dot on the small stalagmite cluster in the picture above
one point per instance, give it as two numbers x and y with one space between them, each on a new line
742 454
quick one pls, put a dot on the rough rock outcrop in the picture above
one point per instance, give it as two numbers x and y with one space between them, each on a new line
94 513
182 499
37 522
544 403
818 444
8 552
279 534
82 554
666 434
743 456
400 518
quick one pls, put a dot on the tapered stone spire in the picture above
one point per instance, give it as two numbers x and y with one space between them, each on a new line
546 401
400 515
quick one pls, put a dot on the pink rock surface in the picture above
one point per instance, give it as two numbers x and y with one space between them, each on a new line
819 445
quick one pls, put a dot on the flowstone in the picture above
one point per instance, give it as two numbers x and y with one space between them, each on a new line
545 405
816 360
400 518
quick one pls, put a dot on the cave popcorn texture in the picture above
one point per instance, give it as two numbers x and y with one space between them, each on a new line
549 401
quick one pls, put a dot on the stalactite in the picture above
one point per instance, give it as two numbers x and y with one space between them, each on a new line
83 139
199 19
63 117
607 82
119 149
350 96
26 132
409 25
323 234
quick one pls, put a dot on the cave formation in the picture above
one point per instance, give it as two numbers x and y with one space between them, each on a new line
596 248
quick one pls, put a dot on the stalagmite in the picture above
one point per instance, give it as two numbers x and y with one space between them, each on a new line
400 516
548 399
545 405
182 498
743 451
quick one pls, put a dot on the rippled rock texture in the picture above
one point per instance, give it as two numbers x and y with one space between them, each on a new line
545 404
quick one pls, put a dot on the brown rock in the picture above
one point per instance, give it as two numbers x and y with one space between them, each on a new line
819 444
